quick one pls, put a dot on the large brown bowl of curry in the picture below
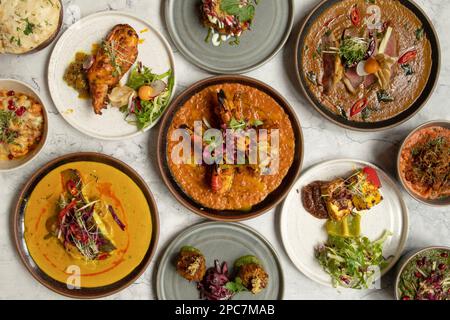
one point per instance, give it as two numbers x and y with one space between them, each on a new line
129 232
367 65
250 193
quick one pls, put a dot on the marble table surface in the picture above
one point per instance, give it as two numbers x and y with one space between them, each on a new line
323 141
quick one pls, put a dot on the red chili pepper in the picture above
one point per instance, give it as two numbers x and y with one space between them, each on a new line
410 55
19 112
64 211
138 104
71 187
359 106
372 176
102 256
355 16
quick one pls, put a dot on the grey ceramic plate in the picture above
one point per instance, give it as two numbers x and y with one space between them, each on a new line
270 30
223 241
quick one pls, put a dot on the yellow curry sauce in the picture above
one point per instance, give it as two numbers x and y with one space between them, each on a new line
407 80
248 187
101 182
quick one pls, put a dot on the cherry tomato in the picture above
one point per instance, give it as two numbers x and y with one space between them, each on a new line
372 176
359 106
410 55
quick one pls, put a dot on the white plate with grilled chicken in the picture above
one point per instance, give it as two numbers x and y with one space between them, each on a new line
111 75
328 213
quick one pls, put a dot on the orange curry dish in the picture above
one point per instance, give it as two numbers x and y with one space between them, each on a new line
232 107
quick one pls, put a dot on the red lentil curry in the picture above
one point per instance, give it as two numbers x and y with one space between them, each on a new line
231 187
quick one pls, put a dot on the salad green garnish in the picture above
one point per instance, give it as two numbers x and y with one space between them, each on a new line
6 135
236 286
352 50
236 8
352 262
242 124
149 111
426 276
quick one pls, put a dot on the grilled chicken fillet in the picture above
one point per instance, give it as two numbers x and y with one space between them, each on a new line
115 57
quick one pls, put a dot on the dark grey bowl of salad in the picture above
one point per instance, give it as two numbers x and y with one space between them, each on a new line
424 274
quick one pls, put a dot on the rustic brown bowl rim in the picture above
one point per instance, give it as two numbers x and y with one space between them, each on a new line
265 205
56 286
33 154
434 203
391 122
47 42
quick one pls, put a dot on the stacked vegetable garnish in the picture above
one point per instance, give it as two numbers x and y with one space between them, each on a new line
352 261
213 285
426 276
79 223
227 19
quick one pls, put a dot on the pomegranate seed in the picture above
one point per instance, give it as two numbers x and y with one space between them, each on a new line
10 156
418 274
11 107
421 262
442 266
21 111
406 298
444 255
10 93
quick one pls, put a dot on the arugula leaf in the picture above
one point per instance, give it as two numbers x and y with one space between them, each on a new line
243 12
236 286
420 33
237 124
407 69
242 124
384 96
352 262
150 110
352 50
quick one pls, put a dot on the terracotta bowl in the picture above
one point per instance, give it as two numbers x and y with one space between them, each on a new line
437 202
47 42
229 215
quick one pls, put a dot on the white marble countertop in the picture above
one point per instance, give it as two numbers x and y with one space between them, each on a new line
323 141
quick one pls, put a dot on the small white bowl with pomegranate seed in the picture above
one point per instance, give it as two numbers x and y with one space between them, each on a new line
23 124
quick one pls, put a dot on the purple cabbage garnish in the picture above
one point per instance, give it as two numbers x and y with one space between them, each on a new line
212 287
